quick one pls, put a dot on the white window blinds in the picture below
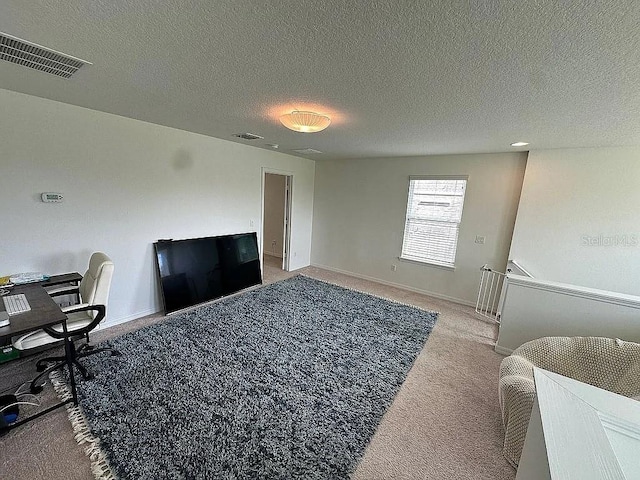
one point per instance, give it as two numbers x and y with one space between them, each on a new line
434 211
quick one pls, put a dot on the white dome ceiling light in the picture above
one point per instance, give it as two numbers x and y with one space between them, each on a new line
305 122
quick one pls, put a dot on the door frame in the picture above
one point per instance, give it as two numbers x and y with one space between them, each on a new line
288 209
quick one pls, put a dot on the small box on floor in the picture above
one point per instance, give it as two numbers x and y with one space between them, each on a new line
7 352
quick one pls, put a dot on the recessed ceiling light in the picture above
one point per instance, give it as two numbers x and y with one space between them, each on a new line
520 144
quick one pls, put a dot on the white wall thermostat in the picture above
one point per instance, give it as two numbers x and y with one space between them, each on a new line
51 197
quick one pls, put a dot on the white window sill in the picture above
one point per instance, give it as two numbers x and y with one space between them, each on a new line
427 263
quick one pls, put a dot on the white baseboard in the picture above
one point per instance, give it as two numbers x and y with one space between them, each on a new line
459 301
112 322
503 350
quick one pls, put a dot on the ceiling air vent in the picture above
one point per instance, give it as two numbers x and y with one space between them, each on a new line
307 151
34 56
248 136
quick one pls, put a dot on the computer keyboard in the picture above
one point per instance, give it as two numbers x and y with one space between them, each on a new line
15 304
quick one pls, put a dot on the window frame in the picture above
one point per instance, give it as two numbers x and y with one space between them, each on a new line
427 261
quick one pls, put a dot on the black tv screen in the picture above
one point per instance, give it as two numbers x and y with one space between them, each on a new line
202 269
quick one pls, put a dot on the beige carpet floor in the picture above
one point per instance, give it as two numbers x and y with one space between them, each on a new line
443 424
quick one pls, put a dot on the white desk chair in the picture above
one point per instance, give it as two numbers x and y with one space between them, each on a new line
93 292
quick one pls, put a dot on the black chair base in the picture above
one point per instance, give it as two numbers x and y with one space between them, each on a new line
84 350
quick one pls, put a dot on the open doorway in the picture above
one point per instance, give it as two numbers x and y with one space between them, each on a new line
276 220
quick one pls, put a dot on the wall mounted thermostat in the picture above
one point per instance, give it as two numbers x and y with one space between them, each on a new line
50 197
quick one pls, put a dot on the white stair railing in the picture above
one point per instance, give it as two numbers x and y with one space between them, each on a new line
513 266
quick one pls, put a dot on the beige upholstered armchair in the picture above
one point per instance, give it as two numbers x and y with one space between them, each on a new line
607 363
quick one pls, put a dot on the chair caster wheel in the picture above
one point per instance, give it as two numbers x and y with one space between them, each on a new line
115 353
36 389
90 376
41 368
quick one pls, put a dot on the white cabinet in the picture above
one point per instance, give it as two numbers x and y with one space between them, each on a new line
580 432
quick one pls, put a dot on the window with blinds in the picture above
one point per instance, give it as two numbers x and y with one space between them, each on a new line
434 211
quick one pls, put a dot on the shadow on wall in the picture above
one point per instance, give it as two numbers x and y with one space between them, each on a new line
64 262
182 160
149 272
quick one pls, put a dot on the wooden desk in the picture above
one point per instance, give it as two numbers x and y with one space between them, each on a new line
44 313
58 279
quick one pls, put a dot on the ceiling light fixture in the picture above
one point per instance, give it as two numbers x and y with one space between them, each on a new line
520 144
305 122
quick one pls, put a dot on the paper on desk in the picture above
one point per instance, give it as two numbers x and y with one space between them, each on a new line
28 277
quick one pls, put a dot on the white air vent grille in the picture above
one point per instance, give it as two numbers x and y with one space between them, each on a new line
307 151
34 56
248 136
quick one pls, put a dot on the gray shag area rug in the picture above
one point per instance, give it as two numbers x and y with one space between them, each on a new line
287 381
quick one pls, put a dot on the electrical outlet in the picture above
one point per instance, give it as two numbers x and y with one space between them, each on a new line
273 244
394 268
251 223
480 239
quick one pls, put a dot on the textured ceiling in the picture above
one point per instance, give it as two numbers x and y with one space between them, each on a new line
397 77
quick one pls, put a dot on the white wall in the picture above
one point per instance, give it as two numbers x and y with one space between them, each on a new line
126 184
359 214
576 205
274 198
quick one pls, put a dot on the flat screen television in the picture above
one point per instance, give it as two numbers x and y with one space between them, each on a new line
197 270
